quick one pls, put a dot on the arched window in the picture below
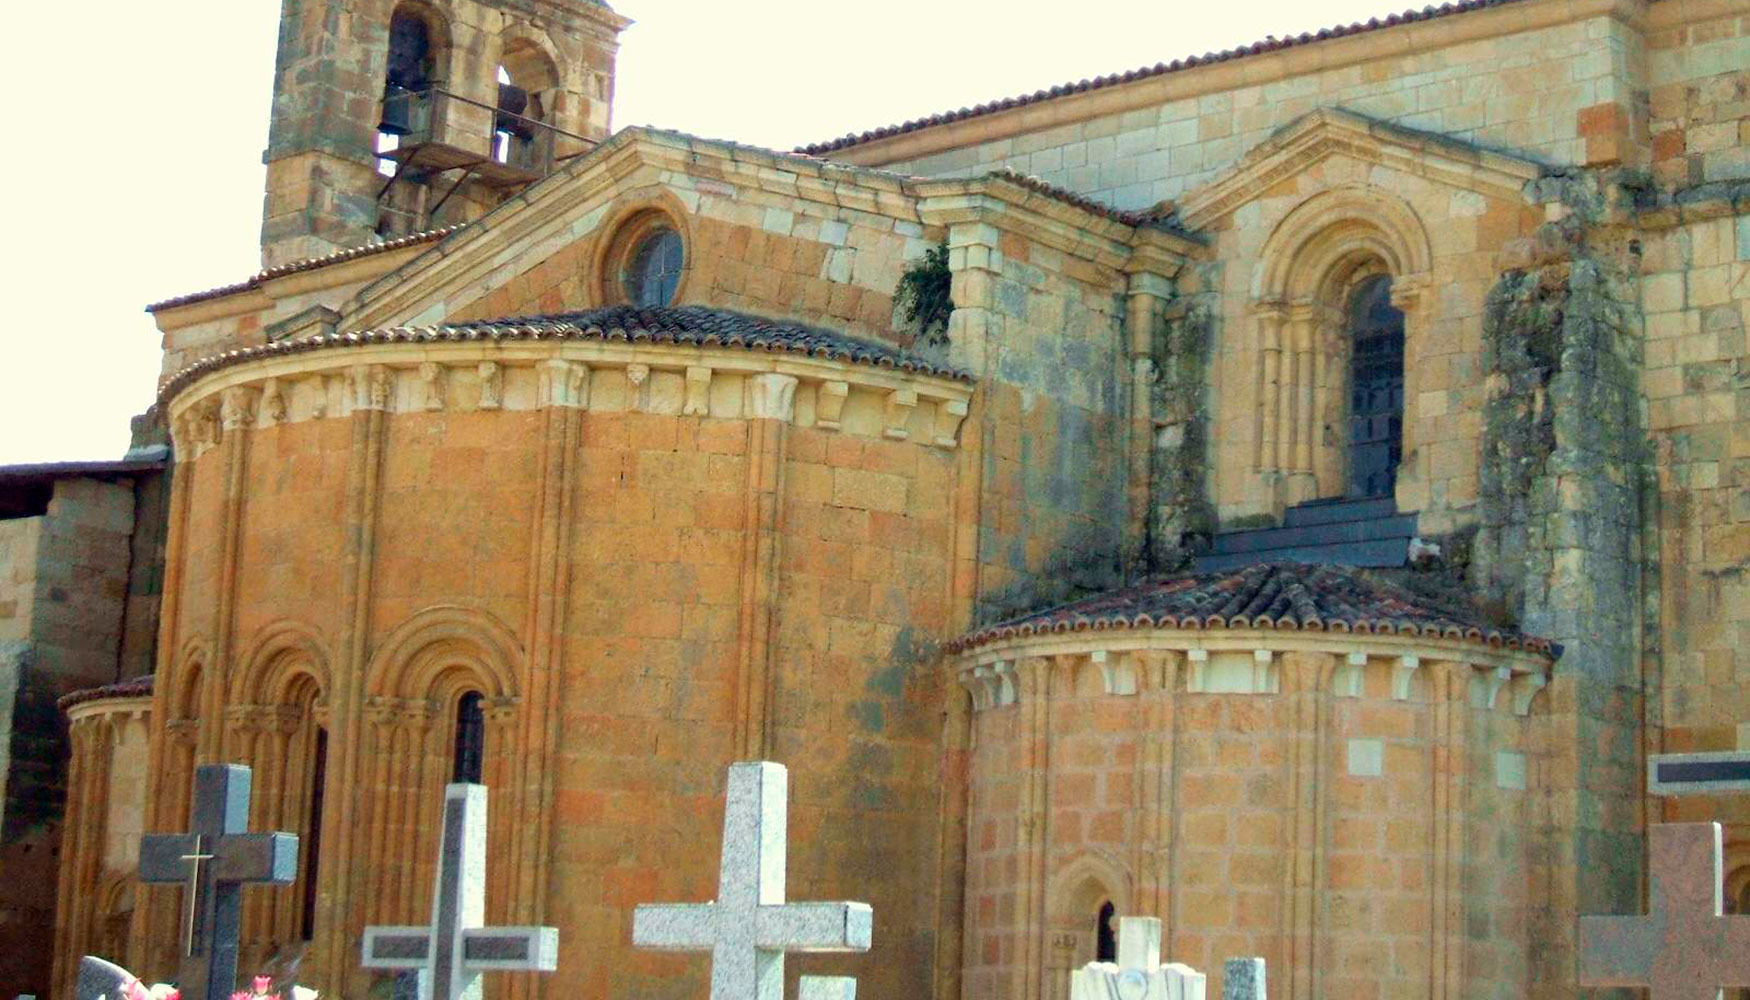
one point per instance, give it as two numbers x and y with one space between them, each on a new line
527 85
470 753
412 69
1105 934
1376 389
313 839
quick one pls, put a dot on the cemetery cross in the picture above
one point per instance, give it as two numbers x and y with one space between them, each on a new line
213 862
450 954
749 927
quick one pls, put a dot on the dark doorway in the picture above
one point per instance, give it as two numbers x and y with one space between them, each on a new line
1376 389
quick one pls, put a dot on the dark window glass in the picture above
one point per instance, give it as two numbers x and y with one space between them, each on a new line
655 269
1376 389
1105 935
313 844
470 738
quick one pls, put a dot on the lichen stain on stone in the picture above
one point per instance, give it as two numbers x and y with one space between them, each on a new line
868 715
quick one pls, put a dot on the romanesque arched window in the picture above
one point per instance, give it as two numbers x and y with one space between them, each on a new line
415 49
1106 933
1376 388
313 834
527 87
470 744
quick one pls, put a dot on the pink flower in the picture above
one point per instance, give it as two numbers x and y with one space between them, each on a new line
260 984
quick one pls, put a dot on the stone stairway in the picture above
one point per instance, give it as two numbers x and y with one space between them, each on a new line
1330 532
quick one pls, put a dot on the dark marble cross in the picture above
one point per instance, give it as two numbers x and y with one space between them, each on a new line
1698 773
212 862
450 954
1684 948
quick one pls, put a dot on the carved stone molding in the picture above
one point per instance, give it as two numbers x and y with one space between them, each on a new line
491 385
829 404
698 398
772 397
897 414
434 380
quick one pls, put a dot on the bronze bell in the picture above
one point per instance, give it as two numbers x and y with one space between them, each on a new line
397 110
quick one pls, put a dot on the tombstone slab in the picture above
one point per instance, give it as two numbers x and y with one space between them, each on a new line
826 988
749 927
1685 948
1242 979
1138 973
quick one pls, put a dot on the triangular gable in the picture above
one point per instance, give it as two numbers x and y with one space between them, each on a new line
1319 135
572 203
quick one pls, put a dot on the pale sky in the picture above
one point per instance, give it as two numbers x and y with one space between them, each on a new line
136 133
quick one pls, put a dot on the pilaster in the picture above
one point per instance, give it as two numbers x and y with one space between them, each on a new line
771 401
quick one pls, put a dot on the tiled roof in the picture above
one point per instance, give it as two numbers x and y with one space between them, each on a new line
1287 596
1271 44
307 264
1148 217
133 687
690 326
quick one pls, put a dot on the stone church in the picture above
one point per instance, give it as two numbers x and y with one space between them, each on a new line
1285 491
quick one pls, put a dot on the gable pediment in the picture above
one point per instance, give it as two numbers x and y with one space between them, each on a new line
1332 132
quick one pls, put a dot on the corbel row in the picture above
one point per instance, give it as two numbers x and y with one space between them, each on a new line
999 683
435 386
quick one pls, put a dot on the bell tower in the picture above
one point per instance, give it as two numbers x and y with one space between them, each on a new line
394 116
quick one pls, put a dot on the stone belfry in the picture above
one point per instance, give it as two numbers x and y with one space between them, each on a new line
393 116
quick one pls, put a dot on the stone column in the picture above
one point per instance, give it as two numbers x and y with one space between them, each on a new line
1306 680
1449 711
1031 836
1269 315
771 407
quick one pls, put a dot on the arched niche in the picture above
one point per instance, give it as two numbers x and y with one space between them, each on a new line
1302 326
1089 891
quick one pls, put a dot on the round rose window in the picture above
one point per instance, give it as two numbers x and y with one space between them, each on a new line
654 270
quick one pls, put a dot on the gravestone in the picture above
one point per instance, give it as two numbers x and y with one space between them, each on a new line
1242 979
749 927
1138 974
448 956
827 988
101 980
1685 948
213 862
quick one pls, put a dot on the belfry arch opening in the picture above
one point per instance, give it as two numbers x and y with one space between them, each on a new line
417 43
528 86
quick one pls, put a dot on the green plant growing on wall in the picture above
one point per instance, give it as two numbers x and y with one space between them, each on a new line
924 293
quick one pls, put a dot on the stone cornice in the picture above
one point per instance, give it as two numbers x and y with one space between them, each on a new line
133 706
593 375
1315 137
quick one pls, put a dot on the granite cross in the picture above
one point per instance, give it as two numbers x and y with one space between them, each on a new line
749 927
450 954
1139 974
1683 949
212 862
1698 773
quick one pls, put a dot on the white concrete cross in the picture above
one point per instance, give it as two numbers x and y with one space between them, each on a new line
1698 773
750 926
1139 974
450 954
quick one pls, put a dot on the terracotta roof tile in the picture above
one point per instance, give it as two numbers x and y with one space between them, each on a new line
308 264
692 326
1270 44
1290 596
133 687
1161 217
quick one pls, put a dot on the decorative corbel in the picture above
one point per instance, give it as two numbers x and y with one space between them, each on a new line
1197 679
1347 680
698 397
636 376
236 407
896 414
319 405
829 404
975 688
431 374
771 396
1008 689
491 385
273 403
949 415
1524 688
1486 684
1266 679
1118 673
1402 673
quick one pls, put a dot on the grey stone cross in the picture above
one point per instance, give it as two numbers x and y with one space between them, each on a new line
1698 773
213 862
750 926
450 954
1684 948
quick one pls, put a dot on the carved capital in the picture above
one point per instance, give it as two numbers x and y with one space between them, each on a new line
563 384
829 404
236 407
370 387
896 414
273 403
771 396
